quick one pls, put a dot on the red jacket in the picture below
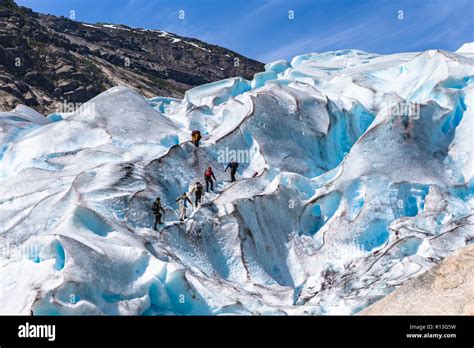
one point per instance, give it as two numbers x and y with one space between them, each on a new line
209 173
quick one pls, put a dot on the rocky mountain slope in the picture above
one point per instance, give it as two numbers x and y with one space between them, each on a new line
447 289
46 59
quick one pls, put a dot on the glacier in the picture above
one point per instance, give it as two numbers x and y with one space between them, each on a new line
358 177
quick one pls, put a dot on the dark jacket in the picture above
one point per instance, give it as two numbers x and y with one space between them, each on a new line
198 188
157 208
233 166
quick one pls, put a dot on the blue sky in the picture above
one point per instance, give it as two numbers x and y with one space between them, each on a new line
261 29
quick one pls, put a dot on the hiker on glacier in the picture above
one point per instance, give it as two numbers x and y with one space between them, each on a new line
157 209
208 175
233 169
183 205
198 191
196 137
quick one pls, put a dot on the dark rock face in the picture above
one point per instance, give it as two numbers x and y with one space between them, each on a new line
46 60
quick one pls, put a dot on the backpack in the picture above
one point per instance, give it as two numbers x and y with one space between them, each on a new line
196 135
208 172
199 187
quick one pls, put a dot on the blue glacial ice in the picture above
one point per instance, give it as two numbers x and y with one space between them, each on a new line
338 200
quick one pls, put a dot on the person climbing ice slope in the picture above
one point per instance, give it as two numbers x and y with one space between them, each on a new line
208 175
233 169
183 205
196 137
157 209
198 191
